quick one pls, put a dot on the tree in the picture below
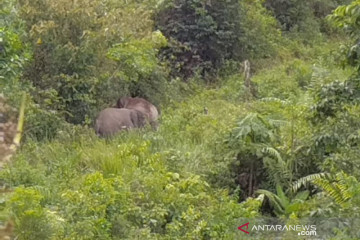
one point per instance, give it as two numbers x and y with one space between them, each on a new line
203 34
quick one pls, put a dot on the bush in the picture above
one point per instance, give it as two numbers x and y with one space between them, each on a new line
32 219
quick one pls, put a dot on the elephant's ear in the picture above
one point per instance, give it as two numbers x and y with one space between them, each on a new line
138 118
121 102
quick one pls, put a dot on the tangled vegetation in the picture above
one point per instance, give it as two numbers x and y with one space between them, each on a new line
279 139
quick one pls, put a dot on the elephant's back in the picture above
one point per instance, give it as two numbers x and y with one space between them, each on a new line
143 106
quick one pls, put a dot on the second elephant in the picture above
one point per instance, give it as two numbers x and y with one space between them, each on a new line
142 105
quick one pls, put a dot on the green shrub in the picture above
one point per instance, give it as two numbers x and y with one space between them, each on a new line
32 219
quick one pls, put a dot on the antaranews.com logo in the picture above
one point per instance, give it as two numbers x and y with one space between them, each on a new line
297 229
301 230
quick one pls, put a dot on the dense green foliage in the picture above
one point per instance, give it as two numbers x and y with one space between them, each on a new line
79 52
205 34
288 148
303 16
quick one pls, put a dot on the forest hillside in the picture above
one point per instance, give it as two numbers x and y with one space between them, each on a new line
259 119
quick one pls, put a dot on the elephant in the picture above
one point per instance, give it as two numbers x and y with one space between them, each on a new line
113 120
142 105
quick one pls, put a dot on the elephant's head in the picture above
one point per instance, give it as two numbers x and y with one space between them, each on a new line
137 118
122 102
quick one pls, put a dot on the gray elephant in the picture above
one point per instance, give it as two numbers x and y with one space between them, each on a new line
112 120
140 104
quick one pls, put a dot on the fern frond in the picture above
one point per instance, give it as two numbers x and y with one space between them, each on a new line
275 165
306 180
332 189
274 153
273 99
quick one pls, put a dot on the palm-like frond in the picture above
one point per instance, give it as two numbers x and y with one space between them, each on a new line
284 200
276 166
274 154
306 180
275 201
256 126
282 204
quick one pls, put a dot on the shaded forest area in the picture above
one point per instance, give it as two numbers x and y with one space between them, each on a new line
259 118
